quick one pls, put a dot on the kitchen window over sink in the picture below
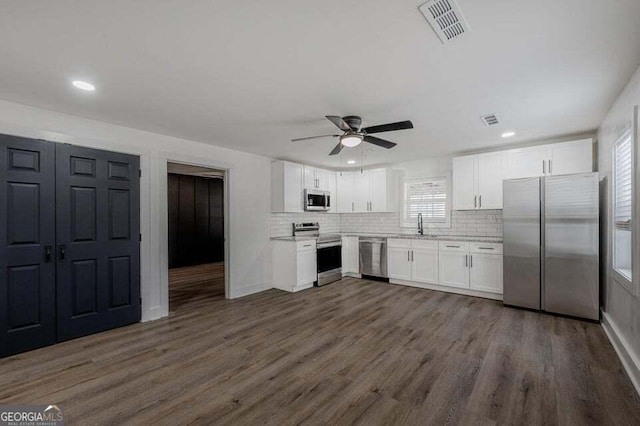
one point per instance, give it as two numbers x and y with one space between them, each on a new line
426 196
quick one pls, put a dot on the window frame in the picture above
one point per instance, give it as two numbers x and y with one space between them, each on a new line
621 278
428 223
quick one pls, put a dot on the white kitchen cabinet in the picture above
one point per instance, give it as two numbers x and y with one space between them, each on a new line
485 272
315 178
287 195
464 182
350 255
571 157
477 181
294 264
424 261
549 160
454 270
399 259
368 191
491 171
527 162
361 191
345 192
412 260
331 186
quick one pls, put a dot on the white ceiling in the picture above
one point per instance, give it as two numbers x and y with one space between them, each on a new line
250 75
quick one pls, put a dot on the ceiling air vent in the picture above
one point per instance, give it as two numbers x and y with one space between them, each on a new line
445 18
490 120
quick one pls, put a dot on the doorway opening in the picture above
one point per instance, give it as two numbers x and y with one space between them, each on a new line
196 250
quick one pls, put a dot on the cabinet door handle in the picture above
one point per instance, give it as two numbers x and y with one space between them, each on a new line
454 246
408 256
61 252
352 206
475 201
480 201
485 248
466 260
549 166
412 255
48 253
471 261
544 167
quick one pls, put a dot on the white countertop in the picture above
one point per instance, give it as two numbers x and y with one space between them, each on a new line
469 238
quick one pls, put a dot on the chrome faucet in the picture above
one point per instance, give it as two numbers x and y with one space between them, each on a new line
420 226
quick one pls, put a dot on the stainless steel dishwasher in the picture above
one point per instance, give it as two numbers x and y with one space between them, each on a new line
373 256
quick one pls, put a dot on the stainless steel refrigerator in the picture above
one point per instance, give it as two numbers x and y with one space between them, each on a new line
551 244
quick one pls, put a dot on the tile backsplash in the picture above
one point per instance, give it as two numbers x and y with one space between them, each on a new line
280 223
466 223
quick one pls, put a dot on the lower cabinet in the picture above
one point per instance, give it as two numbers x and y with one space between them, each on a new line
412 260
485 268
294 264
470 266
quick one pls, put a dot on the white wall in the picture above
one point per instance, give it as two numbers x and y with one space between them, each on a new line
248 262
622 309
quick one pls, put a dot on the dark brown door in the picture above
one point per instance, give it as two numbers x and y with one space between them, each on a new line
27 239
98 248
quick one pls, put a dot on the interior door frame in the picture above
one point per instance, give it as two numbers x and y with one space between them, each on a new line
172 157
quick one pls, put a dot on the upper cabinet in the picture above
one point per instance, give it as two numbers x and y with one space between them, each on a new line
548 160
287 195
367 191
477 181
319 179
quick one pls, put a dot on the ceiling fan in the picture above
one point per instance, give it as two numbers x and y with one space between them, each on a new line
354 133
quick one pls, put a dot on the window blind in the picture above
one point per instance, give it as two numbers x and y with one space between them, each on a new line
623 181
428 197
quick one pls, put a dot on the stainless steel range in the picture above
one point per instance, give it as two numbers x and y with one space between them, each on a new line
328 249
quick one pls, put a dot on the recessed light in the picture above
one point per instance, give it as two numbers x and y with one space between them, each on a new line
351 162
83 85
508 134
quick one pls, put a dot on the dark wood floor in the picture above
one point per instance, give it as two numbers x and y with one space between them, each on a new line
351 352
196 285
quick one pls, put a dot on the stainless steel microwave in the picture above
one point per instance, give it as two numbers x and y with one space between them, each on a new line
315 200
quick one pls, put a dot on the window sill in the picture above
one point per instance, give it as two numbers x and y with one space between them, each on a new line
625 281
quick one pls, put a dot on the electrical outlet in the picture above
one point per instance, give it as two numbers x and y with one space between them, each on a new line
492 218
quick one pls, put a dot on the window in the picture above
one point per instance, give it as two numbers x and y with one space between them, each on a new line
623 205
426 196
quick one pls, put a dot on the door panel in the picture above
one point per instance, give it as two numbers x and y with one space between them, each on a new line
521 262
453 269
399 263
464 182
378 190
424 265
485 272
361 191
571 245
27 228
491 172
98 249
571 157
527 162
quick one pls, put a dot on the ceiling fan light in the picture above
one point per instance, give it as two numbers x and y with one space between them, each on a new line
350 140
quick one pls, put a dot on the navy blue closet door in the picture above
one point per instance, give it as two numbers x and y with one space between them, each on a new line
27 239
98 248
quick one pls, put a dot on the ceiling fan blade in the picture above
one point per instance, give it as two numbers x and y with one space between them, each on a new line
313 137
338 121
337 149
380 142
400 125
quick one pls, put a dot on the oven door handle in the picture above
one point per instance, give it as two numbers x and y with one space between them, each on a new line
329 245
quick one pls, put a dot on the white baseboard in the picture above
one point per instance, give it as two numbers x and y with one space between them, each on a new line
630 360
437 287
246 291
153 314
